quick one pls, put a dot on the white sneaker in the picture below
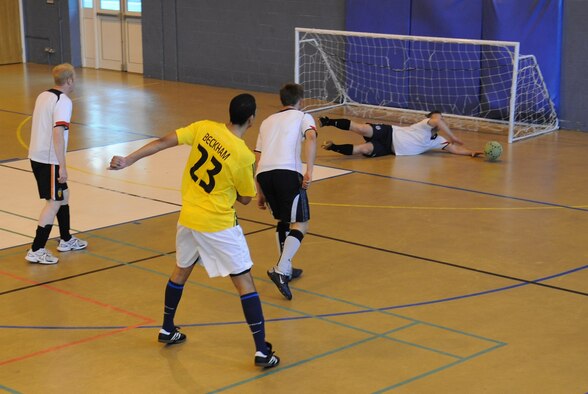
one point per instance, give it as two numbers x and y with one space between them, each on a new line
41 256
73 244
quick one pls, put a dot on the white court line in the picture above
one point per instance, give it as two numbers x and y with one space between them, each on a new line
101 198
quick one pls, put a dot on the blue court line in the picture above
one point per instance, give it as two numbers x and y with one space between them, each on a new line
365 309
305 315
373 334
378 309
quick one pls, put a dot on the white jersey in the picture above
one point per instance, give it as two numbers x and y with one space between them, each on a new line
52 108
416 139
280 140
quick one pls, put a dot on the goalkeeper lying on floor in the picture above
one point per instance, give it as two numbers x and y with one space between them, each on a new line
383 139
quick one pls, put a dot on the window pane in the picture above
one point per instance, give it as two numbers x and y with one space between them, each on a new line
88 4
110 5
134 5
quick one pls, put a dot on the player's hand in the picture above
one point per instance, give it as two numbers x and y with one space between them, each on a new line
324 121
306 181
62 175
261 202
117 163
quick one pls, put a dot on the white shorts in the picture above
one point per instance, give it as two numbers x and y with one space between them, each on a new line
221 253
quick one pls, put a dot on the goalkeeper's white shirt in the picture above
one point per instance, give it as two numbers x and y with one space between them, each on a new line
280 140
416 139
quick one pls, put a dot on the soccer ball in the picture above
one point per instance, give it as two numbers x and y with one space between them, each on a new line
492 150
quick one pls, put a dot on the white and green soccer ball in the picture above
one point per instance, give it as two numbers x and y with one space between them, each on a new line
492 150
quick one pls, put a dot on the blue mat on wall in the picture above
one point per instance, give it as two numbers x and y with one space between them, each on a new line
536 24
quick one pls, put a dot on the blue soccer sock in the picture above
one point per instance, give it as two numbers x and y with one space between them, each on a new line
254 317
173 294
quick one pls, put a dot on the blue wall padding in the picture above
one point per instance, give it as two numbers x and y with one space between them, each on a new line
447 18
453 19
378 16
536 24
384 66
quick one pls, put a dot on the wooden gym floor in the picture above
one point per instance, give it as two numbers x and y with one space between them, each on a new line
423 274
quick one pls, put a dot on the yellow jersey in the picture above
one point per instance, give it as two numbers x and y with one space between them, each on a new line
220 166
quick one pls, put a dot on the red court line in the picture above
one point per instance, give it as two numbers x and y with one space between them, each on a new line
70 344
144 320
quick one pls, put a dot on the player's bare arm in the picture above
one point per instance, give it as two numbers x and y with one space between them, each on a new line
167 141
59 143
243 200
260 196
310 150
437 121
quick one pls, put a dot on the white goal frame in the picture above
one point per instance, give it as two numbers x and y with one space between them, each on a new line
325 77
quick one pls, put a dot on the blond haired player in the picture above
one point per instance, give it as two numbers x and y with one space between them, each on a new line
49 137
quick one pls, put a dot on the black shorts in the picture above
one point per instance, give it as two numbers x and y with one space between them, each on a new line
46 176
286 198
381 140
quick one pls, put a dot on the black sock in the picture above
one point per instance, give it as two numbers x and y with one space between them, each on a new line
41 237
282 230
344 149
173 294
63 221
254 317
342 124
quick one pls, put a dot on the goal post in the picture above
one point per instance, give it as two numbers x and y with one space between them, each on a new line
486 85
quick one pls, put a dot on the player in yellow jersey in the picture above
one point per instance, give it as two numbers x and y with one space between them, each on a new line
219 172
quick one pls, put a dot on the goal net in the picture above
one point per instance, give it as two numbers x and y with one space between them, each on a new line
482 85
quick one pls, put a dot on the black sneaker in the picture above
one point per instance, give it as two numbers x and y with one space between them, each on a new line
281 281
172 338
324 121
296 272
269 361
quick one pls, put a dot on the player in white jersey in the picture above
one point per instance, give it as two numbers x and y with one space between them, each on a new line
383 139
281 183
49 137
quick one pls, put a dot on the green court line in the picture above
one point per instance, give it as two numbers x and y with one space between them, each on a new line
9 390
369 309
373 336
442 368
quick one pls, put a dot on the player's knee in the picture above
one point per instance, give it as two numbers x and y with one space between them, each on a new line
241 273
301 227
364 149
53 205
